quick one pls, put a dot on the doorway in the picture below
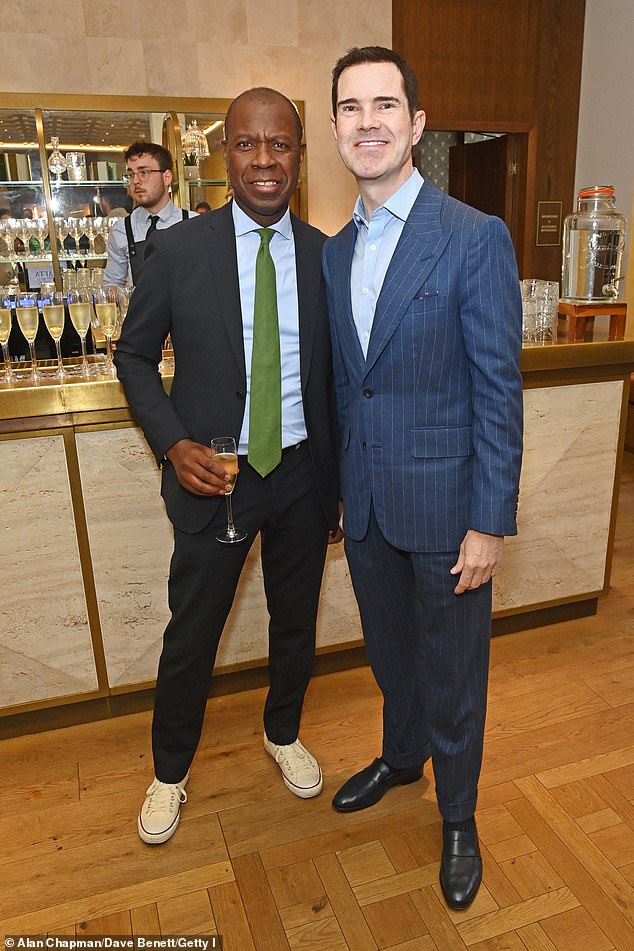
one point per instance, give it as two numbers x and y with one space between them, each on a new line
486 170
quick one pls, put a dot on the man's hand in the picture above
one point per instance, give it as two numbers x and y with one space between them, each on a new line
479 556
336 535
196 470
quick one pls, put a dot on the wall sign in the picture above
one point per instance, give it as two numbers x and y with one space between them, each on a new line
548 223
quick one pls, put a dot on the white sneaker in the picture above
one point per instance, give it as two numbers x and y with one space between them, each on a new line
160 813
300 770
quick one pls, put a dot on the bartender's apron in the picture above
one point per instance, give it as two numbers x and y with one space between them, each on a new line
136 249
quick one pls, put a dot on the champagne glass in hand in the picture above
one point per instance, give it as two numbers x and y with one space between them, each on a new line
226 454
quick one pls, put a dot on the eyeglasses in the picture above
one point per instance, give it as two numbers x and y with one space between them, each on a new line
141 175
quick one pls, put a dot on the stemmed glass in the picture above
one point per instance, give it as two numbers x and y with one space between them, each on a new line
40 229
77 226
91 234
53 314
125 294
105 299
80 309
100 229
5 333
62 231
226 454
25 229
7 234
28 318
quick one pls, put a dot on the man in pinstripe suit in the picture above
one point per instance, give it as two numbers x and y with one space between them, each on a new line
426 326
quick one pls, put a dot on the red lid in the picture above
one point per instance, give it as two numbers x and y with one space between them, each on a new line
591 190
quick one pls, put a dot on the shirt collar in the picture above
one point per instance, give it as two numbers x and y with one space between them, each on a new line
165 212
243 224
399 204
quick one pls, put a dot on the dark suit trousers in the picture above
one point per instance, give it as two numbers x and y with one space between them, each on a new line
429 651
286 509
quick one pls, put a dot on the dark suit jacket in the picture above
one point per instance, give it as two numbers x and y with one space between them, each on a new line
189 289
431 421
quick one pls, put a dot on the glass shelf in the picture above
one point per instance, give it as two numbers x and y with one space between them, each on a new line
89 183
31 183
30 260
207 181
73 256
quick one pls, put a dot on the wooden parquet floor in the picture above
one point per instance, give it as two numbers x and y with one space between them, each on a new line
269 871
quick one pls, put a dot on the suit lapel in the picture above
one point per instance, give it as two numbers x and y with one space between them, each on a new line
220 243
421 243
341 270
308 270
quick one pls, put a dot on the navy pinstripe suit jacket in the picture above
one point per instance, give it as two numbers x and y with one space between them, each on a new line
431 421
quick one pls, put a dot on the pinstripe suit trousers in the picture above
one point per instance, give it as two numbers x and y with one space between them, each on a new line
429 652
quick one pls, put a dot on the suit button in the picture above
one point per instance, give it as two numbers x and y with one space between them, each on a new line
368 392
240 395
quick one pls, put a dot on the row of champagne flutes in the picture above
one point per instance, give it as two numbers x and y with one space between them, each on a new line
34 237
103 307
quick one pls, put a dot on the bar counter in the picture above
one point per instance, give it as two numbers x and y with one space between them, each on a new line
86 542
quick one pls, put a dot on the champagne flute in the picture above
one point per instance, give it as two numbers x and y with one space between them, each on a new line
226 454
125 293
80 309
5 333
53 313
28 318
105 299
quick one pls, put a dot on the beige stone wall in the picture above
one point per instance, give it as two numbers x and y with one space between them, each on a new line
192 48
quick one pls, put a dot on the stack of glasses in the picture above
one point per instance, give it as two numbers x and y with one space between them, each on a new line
540 304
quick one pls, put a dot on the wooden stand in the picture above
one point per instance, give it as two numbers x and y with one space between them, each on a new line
581 318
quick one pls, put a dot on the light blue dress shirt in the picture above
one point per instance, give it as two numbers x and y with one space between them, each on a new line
375 244
282 249
118 265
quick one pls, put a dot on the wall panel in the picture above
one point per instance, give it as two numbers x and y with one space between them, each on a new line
504 64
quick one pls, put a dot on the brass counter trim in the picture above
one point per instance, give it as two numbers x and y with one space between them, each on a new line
85 559
560 356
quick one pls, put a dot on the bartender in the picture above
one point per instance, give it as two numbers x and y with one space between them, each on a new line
149 173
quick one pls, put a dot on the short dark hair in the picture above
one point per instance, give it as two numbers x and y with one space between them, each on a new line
377 54
204 205
162 155
264 94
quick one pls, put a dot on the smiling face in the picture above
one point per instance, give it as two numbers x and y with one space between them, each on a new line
374 129
263 155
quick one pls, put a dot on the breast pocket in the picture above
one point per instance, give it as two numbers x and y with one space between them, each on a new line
428 304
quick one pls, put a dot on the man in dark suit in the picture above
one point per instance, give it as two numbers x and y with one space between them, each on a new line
426 329
202 284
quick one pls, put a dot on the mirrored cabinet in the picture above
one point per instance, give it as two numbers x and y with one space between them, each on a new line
62 188
62 173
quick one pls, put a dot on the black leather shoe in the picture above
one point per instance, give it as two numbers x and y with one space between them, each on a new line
367 787
460 868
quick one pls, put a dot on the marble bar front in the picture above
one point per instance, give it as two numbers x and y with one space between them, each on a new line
87 544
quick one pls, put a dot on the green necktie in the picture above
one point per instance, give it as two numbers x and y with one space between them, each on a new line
265 411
